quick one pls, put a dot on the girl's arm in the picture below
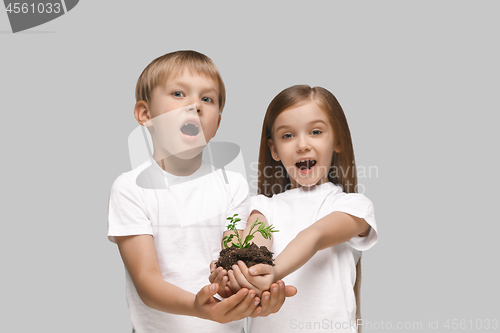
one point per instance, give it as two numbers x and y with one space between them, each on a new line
333 229
139 256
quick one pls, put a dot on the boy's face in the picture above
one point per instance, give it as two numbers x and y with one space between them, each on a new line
184 113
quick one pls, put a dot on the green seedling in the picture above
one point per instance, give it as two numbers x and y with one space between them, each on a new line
266 232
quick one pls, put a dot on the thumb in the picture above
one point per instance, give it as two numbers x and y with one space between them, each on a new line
212 266
206 293
290 291
260 269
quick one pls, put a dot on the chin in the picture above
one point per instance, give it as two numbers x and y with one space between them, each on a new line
306 183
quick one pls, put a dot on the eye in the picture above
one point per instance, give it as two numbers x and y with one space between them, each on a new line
287 136
178 94
207 99
316 132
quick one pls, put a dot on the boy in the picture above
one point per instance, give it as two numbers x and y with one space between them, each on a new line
166 215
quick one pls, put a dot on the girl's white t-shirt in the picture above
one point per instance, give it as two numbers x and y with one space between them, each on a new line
325 300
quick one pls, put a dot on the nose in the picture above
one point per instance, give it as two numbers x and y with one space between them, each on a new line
195 107
303 144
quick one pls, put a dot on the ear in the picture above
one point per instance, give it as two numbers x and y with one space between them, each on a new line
141 113
272 148
336 147
218 123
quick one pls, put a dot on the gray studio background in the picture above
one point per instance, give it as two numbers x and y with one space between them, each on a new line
418 82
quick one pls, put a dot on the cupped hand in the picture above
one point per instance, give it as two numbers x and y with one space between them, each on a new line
236 307
240 277
273 299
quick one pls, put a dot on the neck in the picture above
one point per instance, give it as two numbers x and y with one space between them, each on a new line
177 166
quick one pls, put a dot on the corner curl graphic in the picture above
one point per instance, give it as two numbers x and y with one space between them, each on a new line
26 14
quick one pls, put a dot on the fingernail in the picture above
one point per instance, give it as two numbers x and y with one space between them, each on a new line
259 311
256 302
212 287
251 270
275 289
266 297
252 295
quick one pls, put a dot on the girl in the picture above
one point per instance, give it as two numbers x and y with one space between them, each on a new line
307 184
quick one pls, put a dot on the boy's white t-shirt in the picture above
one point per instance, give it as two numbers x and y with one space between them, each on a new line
325 300
187 217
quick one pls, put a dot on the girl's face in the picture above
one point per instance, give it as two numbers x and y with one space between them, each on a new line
303 140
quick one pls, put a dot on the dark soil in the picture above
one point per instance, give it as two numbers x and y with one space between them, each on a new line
252 255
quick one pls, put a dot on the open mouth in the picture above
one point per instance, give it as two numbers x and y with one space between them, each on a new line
190 129
305 164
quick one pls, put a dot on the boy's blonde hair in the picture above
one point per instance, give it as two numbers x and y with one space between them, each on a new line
170 64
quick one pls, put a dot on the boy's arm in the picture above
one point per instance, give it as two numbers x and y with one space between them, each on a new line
258 238
229 232
139 256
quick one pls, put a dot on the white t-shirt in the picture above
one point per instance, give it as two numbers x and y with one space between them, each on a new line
187 217
325 300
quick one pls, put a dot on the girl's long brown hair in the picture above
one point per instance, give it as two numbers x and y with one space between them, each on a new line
272 176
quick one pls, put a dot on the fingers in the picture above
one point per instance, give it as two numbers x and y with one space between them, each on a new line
240 277
206 293
277 296
273 301
213 266
260 269
246 307
214 274
221 274
263 308
228 291
235 286
244 270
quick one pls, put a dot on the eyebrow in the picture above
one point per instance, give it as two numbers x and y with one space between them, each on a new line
204 90
309 123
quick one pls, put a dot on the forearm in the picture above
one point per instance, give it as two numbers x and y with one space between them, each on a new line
161 295
331 230
139 256
302 248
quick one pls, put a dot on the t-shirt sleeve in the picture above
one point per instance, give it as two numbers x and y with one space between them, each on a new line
240 200
360 206
261 203
126 210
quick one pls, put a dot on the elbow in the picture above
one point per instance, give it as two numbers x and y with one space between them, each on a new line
363 227
145 293
145 299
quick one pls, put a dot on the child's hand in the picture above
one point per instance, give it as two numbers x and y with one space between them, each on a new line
236 307
219 275
272 300
259 279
